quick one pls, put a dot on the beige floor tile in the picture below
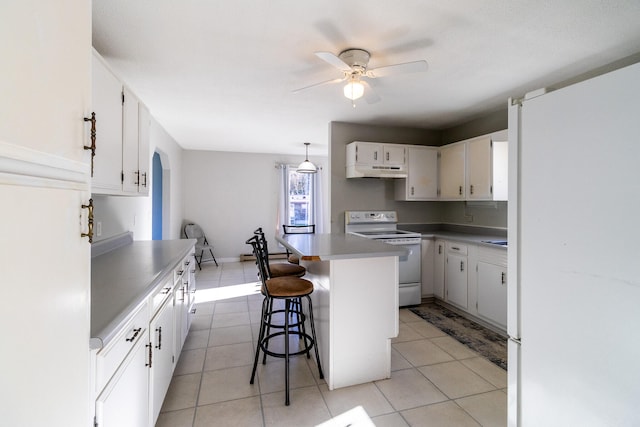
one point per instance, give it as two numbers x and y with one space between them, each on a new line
271 376
204 307
489 409
409 389
455 380
182 393
425 329
226 384
201 322
446 414
406 315
230 335
237 413
228 356
405 333
224 320
422 352
398 362
366 395
487 370
307 408
182 418
224 307
454 348
196 339
390 420
190 361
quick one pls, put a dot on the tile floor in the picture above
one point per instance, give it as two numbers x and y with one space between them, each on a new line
435 381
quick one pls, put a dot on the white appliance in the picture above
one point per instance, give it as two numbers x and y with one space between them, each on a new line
574 254
382 225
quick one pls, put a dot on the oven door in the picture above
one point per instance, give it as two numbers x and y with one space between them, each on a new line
409 265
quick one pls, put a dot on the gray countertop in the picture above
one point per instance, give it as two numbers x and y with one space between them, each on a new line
325 247
122 278
476 239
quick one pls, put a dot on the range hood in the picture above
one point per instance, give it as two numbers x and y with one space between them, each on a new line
376 171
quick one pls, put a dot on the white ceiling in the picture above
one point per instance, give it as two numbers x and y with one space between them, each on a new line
219 74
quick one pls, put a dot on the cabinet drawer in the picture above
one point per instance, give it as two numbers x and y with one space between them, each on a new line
456 248
161 295
113 354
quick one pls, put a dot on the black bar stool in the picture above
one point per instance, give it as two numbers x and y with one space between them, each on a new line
278 269
289 289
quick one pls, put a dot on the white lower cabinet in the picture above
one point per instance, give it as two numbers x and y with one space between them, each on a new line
133 371
492 287
473 278
456 275
124 401
163 359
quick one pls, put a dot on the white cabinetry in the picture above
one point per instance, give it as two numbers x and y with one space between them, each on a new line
475 169
107 104
121 162
492 286
364 158
135 145
438 269
452 171
161 339
456 274
124 401
427 267
422 175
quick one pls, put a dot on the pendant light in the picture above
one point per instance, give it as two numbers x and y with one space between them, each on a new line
307 166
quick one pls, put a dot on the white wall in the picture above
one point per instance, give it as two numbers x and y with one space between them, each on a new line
118 214
231 194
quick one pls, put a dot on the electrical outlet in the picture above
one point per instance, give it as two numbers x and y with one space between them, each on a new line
98 229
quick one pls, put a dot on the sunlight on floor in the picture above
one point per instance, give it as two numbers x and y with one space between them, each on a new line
227 292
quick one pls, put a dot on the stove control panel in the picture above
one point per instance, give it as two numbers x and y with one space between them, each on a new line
356 217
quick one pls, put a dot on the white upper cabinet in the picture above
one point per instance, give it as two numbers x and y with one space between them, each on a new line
121 163
135 145
422 175
376 159
475 169
452 171
107 104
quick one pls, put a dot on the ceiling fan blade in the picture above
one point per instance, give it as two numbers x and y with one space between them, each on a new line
370 95
334 60
338 80
404 68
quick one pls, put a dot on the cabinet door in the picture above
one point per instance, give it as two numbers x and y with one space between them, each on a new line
427 267
369 153
423 173
394 154
107 104
125 400
144 157
479 169
161 340
456 277
130 143
452 171
492 292
438 269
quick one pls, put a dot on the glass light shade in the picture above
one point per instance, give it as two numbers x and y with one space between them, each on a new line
307 167
354 90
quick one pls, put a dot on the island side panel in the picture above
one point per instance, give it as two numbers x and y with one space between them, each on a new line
361 318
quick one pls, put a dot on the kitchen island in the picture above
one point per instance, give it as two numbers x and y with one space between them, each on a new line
355 303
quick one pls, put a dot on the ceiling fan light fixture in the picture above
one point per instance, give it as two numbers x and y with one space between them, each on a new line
354 90
307 166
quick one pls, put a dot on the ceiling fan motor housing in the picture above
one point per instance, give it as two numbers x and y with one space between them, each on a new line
357 59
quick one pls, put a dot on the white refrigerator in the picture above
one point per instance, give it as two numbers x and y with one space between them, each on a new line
574 254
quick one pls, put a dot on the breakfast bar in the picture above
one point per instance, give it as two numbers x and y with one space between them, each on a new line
355 302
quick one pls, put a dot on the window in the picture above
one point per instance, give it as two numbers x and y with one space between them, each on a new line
300 198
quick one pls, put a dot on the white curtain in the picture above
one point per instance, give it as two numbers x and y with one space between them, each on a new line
283 176
318 216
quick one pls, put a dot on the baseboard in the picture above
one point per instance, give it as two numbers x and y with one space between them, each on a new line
251 257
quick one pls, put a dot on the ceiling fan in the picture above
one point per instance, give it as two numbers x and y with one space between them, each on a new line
353 64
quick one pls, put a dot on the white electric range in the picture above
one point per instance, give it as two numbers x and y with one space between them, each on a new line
382 225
